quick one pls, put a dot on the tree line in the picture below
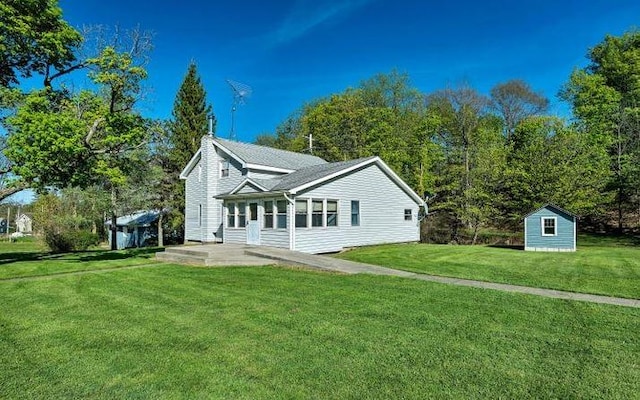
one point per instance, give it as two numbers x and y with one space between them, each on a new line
482 161
486 161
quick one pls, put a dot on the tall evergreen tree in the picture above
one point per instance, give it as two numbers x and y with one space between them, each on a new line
190 123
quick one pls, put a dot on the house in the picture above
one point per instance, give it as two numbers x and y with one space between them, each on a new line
244 193
24 224
550 228
135 230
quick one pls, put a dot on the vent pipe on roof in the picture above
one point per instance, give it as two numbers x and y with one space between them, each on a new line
210 125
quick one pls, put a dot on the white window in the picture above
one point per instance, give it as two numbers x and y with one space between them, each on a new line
332 213
199 173
224 168
355 213
199 214
408 216
302 211
317 214
549 226
242 215
231 215
281 214
268 214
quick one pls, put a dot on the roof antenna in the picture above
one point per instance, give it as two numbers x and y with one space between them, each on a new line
240 93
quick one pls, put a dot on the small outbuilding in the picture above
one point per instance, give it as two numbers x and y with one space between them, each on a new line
550 228
135 230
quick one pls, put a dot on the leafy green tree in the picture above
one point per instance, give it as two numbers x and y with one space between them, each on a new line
35 39
383 116
60 139
472 148
552 162
605 97
190 123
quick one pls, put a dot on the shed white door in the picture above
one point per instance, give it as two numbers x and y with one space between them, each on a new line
253 225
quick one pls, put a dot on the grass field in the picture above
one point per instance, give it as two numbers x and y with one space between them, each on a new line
609 266
28 257
179 332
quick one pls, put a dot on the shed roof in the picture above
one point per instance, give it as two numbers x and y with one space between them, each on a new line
256 156
140 218
554 207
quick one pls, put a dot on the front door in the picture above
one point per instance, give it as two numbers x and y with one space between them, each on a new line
253 225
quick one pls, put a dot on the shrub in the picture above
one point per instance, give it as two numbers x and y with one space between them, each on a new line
68 241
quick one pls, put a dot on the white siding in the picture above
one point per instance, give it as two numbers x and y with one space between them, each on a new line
275 238
248 188
382 205
193 198
236 176
235 235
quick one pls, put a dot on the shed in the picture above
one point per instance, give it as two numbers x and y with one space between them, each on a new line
135 230
550 228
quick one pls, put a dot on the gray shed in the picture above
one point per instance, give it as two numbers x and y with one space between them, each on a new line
550 228
134 230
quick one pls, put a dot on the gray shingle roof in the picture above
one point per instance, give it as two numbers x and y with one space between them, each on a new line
270 157
307 175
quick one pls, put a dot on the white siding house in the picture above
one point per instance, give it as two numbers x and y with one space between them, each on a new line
243 193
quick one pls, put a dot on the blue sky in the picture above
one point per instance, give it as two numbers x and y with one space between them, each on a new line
293 51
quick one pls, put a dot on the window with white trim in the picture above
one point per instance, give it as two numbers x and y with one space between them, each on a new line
224 167
231 215
317 212
332 213
302 211
268 214
281 214
549 226
355 213
242 215
408 214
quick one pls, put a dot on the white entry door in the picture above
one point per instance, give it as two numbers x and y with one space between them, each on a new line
253 225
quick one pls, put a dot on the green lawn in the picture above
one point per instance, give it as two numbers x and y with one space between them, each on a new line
600 266
27 257
178 332
254 333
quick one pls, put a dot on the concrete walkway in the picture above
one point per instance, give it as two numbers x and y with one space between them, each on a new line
349 267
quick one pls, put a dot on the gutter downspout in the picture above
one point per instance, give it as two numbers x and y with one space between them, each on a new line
292 225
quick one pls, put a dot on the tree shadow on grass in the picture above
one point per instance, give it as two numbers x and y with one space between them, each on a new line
144 252
78 256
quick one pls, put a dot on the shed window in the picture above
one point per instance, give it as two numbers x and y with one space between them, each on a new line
317 213
231 215
268 214
408 214
281 214
549 226
355 213
224 168
332 213
242 215
301 213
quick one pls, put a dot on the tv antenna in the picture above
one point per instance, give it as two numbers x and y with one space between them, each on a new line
240 93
